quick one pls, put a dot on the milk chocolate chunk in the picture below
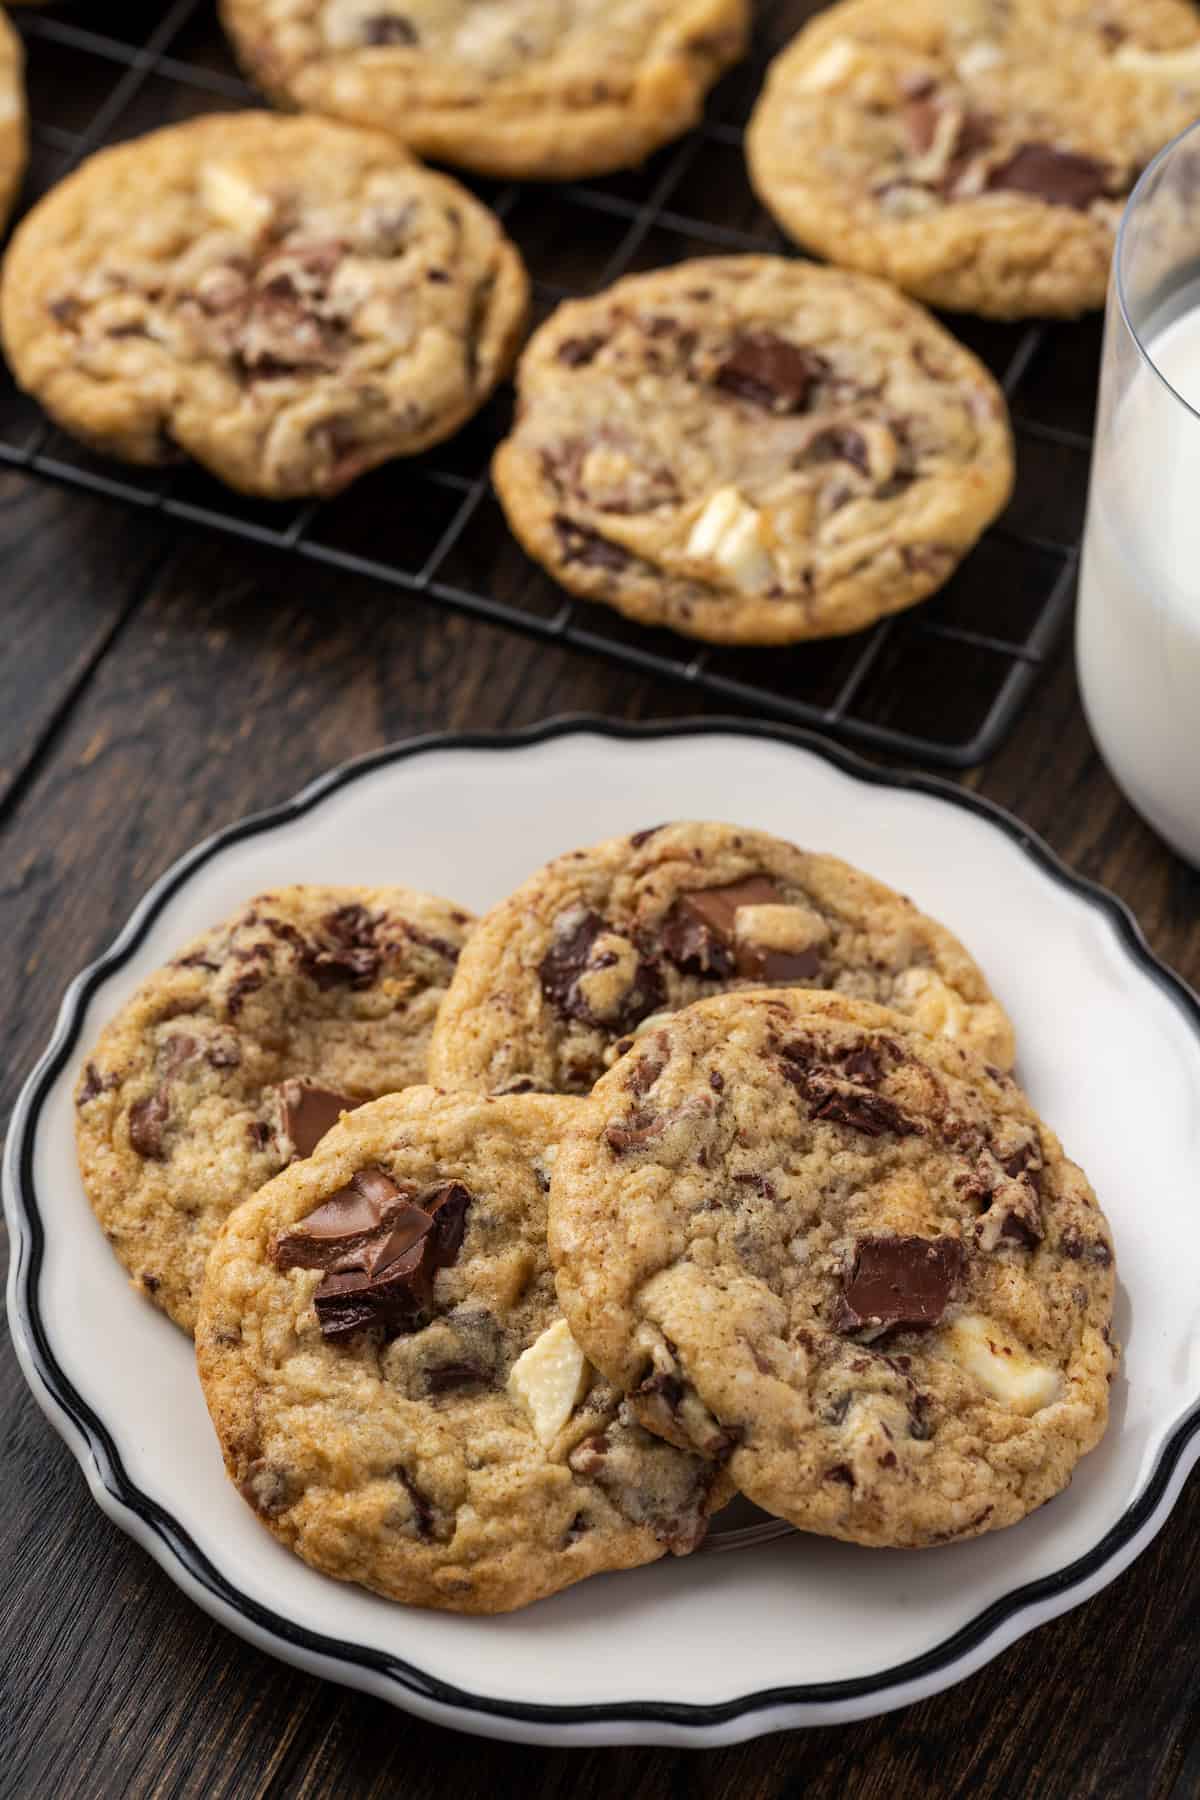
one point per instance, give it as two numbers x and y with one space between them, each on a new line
757 963
698 932
147 1121
1060 177
308 1111
770 372
360 1214
905 1281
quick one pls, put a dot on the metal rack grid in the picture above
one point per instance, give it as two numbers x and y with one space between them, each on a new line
942 684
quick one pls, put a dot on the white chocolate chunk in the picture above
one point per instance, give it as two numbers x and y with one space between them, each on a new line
1170 65
978 57
1002 1367
549 1380
232 199
936 1009
729 533
831 68
786 928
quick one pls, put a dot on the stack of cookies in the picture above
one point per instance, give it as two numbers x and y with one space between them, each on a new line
749 449
515 1248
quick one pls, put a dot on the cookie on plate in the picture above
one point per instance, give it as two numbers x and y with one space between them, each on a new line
394 1387
752 450
236 1057
793 1221
14 127
592 947
289 301
517 88
977 154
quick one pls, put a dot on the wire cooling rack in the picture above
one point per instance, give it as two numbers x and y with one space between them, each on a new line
941 684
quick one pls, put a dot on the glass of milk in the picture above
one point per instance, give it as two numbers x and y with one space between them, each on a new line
1138 628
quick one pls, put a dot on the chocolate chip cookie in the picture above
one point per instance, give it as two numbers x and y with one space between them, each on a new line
14 127
289 301
752 450
237 1057
558 978
515 88
394 1386
793 1221
976 152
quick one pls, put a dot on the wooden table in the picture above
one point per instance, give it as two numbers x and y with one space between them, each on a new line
154 686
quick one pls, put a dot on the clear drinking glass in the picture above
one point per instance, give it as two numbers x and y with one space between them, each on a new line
1138 623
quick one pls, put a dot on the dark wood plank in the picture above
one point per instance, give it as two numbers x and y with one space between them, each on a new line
224 693
74 568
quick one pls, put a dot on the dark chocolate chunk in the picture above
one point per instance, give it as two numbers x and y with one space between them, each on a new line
1060 177
348 955
841 1472
863 1064
583 545
872 1114
147 1121
698 932
388 28
756 963
1072 1243
450 1377
905 1281
769 371
837 443
259 1134
308 1111
570 956
248 982
422 1510
576 352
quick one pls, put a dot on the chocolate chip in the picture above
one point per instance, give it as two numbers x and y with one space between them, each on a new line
450 1377
837 443
768 371
1060 177
174 1053
269 1488
388 28
259 1134
643 837
422 1511
576 352
570 956
247 983
645 1072
872 1114
349 953
863 1064
636 1133
905 1281
698 932
1072 1243
716 1081
840 1472
147 1122
308 1111
93 1084
583 545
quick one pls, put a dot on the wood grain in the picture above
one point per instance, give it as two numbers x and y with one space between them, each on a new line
230 682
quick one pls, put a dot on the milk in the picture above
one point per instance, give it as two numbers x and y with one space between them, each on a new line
1138 632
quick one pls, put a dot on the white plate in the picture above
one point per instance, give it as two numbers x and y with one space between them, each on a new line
712 1649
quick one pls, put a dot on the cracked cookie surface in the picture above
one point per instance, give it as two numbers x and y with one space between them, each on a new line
393 1384
236 1057
588 950
976 152
752 450
511 88
289 301
792 1221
